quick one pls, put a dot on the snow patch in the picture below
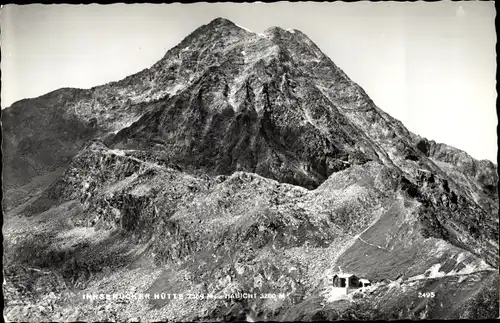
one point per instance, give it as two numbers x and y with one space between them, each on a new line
124 123
461 257
469 268
117 152
394 284
432 272
472 268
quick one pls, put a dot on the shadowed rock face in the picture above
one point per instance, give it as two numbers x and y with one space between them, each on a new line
483 173
251 107
248 162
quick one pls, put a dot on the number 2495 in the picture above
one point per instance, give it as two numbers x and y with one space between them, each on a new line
426 295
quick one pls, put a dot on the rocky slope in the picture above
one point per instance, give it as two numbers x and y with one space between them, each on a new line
478 176
240 162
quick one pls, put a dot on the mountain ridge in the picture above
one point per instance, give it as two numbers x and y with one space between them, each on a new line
233 159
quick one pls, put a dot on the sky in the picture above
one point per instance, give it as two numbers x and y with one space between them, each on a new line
431 65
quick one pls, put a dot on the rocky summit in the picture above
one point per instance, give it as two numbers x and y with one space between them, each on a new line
230 181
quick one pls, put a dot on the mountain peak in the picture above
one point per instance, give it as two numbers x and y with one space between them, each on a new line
275 30
226 23
218 30
219 21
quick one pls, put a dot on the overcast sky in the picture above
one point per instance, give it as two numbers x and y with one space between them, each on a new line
430 65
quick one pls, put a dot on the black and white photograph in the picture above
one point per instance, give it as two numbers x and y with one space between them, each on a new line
246 162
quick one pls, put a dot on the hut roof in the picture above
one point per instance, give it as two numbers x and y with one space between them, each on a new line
345 275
